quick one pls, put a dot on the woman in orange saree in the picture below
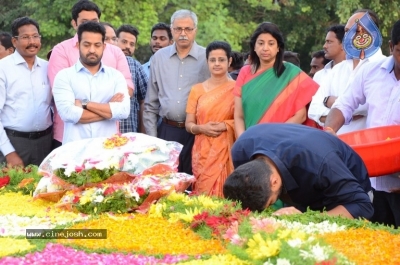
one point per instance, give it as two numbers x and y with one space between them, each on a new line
270 90
209 115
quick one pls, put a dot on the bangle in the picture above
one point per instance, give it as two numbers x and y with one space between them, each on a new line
191 128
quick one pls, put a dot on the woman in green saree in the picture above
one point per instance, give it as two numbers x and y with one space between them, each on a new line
269 89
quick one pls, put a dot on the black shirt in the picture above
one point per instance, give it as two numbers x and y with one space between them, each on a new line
318 170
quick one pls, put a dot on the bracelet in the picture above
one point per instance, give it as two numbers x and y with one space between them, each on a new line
191 128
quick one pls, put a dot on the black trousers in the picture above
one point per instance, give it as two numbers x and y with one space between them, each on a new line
171 133
31 151
386 208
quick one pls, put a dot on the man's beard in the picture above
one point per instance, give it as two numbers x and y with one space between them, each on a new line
91 62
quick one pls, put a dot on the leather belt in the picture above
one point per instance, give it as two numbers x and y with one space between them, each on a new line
29 135
178 124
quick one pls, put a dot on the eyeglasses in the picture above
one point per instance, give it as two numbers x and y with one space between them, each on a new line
26 38
187 30
113 39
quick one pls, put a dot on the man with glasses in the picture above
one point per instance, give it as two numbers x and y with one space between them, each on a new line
66 54
111 37
174 70
25 114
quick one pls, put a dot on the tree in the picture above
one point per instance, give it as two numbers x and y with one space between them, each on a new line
303 22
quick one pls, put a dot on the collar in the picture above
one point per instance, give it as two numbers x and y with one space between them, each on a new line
328 66
79 67
388 64
74 40
18 59
194 51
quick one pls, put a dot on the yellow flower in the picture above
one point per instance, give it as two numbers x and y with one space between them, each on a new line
11 246
187 217
208 202
23 205
141 234
173 196
85 199
156 210
260 249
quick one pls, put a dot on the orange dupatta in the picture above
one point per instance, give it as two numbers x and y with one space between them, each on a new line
211 156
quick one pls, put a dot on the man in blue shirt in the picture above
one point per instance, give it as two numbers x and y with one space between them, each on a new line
304 167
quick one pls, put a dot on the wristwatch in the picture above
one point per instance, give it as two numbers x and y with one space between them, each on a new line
84 103
326 101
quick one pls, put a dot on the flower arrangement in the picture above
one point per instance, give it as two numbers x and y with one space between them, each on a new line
22 180
61 255
200 229
114 198
153 236
82 176
116 140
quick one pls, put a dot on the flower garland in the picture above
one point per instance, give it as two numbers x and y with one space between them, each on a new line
116 198
39 212
139 234
366 246
23 205
115 141
61 255
200 230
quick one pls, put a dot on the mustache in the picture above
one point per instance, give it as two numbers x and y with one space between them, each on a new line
32 46
127 50
89 54
183 38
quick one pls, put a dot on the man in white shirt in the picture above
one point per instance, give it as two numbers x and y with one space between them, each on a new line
378 86
334 51
25 99
90 97
338 81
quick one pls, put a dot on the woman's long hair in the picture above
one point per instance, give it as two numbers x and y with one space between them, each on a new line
271 28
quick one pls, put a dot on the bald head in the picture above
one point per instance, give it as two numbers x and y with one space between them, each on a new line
352 20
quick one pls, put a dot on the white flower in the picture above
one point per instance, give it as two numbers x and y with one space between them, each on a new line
282 262
98 198
69 169
316 253
319 253
295 243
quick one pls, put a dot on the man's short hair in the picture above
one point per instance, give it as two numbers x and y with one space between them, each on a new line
5 40
250 184
338 30
129 29
237 60
162 26
395 35
320 54
291 57
84 5
93 27
371 13
22 21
